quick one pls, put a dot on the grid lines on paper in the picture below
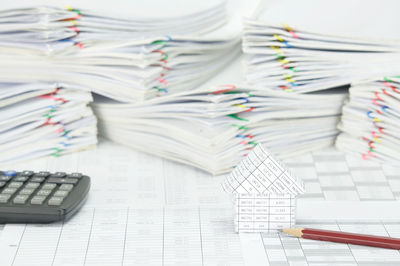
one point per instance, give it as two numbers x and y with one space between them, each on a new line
264 212
130 236
282 250
260 173
330 174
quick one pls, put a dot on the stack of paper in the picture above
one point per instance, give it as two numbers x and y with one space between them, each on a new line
151 48
214 128
371 119
327 44
44 119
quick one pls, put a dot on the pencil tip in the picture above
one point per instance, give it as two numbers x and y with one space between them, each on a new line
293 231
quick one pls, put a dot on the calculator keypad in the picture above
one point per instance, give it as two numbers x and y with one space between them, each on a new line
38 188
4 198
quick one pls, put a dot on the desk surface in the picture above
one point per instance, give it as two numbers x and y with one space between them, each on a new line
144 210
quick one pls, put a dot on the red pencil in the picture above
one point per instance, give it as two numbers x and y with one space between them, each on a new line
342 237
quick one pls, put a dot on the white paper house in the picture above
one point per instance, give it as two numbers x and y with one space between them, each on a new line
264 193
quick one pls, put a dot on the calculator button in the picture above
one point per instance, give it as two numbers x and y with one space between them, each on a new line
15 184
49 186
42 174
62 180
26 191
2 183
21 178
37 200
10 173
4 198
5 178
75 175
43 192
10 190
67 187
55 201
59 174
20 199
27 173
61 193
37 179
32 185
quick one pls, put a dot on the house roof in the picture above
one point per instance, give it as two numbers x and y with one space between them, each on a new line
260 173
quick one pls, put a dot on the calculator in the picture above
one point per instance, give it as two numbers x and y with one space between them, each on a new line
41 197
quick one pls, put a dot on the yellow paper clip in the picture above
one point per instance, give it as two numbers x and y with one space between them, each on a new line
286 26
276 49
284 61
377 140
279 38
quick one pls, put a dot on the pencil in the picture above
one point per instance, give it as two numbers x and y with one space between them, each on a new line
343 237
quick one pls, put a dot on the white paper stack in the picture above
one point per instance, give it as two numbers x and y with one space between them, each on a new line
44 119
312 45
151 48
371 119
214 128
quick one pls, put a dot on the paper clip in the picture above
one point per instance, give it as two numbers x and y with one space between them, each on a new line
370 144
237 117
377 96
163 81
49 96
374 135
287 44
228 88
57 152
160 89
277 49
243 98
290 30
279 38
385 92
285 61
394 89
287 76
73 10
240 127
74 28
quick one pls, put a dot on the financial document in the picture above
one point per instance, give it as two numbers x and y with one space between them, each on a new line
180 236
143 210
263 213
260 173
127 236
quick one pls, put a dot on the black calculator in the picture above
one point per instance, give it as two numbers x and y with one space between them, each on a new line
41 197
